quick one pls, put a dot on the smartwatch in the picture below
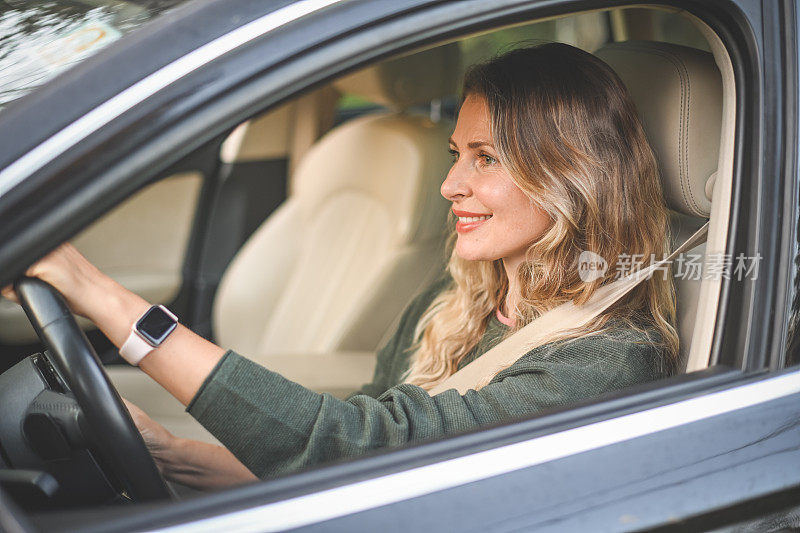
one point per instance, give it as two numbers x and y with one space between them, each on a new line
147 333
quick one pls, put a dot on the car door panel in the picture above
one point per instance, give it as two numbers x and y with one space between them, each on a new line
141 244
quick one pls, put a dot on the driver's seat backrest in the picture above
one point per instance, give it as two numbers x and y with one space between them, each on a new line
363 228
678 94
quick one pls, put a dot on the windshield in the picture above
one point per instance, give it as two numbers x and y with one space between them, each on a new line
40 39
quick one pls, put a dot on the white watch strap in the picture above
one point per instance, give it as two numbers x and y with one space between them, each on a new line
135 348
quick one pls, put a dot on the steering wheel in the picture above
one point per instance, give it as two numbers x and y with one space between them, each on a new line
108 425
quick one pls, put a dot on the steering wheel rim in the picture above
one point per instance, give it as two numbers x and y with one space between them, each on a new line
109 423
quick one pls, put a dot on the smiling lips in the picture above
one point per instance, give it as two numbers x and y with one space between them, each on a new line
469 221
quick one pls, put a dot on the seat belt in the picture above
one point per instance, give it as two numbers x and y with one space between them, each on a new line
565 316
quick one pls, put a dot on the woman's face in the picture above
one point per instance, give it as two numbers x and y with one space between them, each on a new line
496 220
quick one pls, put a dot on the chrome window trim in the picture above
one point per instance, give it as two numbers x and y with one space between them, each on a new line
60 142
420 481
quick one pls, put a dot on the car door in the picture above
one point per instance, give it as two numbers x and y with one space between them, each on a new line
707 449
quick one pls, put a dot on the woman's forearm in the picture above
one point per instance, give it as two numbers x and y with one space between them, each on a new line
180 364
201 465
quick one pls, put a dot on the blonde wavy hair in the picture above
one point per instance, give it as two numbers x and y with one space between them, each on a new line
566 129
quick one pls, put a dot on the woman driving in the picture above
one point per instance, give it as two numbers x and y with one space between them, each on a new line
549 160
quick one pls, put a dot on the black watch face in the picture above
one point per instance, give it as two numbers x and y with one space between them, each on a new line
156 325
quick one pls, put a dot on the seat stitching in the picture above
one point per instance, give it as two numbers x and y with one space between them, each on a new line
683 135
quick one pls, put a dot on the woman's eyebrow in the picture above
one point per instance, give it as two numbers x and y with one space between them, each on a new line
473 144
477 144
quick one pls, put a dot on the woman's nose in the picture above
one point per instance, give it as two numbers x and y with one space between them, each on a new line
455 184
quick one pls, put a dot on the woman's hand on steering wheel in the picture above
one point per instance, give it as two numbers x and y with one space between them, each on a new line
196 464
158 440
87 291
66 269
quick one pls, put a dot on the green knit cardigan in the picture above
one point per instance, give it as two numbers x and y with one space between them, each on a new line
275 426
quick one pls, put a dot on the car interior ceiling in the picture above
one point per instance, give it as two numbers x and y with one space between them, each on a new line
260 185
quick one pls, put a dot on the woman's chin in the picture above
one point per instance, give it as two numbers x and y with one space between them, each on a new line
473 255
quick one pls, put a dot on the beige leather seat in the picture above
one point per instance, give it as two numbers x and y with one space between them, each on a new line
362 229
678 93
322 283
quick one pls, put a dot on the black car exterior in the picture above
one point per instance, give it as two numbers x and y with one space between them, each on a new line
711 449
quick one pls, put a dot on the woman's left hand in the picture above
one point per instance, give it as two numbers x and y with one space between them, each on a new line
66 269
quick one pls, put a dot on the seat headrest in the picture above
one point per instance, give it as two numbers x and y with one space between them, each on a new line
394 163
408 80
678 94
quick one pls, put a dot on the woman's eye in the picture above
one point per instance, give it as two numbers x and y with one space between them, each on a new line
487 159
